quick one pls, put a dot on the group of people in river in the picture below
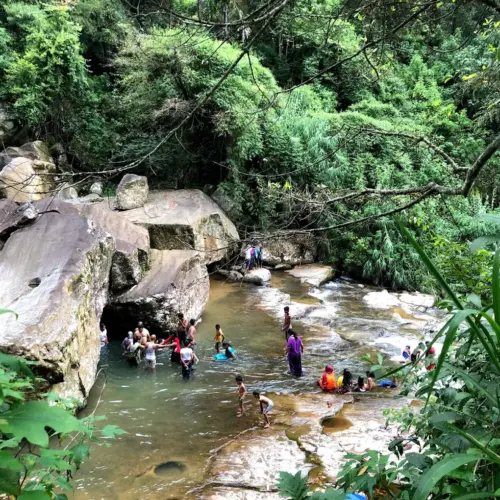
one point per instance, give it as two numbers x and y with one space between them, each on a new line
254 257
424 354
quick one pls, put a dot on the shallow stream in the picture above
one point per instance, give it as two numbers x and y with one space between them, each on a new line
173 425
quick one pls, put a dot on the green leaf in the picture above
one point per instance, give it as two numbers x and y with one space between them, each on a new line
34 495
18 365
447 416
9 481
29 421
419 460
294 487
79 453
496 286
440 470
112 431
472 496
8 311
8 461
483 242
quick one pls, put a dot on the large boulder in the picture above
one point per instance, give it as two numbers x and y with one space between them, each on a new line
36 150
177 281
257 277
313 274
132 244
290 248
54 274
24 179
13 217
186 219
132 192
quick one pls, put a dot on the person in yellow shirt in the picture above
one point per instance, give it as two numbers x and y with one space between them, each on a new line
219 338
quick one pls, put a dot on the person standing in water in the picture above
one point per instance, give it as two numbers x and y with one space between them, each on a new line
188 358
182 328
127 342
287 323
295 348
266 405
103 335
175 345
370 381
191 333
142 333
219 338
242 392
406 354
149 352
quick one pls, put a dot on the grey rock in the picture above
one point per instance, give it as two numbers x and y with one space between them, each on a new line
36 150
89 199
66 192
96 188
222 198
177 281
290 248
187 219
24 179
283 267
257 277
313 274
54 274
13 217
231 275
132 192
132 244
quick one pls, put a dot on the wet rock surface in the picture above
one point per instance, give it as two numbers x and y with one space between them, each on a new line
290 248
54 274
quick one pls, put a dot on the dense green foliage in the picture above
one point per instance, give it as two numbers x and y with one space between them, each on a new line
110 79
41 443
454 436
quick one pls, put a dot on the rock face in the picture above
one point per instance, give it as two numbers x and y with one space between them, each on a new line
257 276
132 244
54 274
13 217
386 300
24 179
66 192
177 281
293 249
314 274
223 200
186 219
36 150
96 188
132 192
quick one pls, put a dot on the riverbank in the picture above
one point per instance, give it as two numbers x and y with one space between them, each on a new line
191 430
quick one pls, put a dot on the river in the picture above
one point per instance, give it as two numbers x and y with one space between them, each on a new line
178 422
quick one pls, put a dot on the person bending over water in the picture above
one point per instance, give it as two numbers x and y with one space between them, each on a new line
188 358
219 338
295 348
327 380
266 405
242 392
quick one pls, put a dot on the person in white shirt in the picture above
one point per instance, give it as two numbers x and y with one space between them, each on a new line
188 357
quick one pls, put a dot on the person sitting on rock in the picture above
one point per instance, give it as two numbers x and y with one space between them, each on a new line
327 380
370 381
344 382
360 387
127 342
141 332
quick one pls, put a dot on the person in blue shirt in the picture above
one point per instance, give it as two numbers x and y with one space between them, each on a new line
228 354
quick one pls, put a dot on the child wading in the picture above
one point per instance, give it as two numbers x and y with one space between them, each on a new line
242 392
266 405
219 338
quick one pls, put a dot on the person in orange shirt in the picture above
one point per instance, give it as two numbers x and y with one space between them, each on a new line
327 380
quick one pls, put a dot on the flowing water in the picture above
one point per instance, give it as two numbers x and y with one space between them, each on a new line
172 425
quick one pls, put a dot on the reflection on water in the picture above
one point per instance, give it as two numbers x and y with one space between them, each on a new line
173 425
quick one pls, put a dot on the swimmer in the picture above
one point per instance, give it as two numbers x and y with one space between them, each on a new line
229 353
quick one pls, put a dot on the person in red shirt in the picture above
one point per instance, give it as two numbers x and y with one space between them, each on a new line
430 353
175 345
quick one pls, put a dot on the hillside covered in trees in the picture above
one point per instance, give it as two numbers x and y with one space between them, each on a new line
324 116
